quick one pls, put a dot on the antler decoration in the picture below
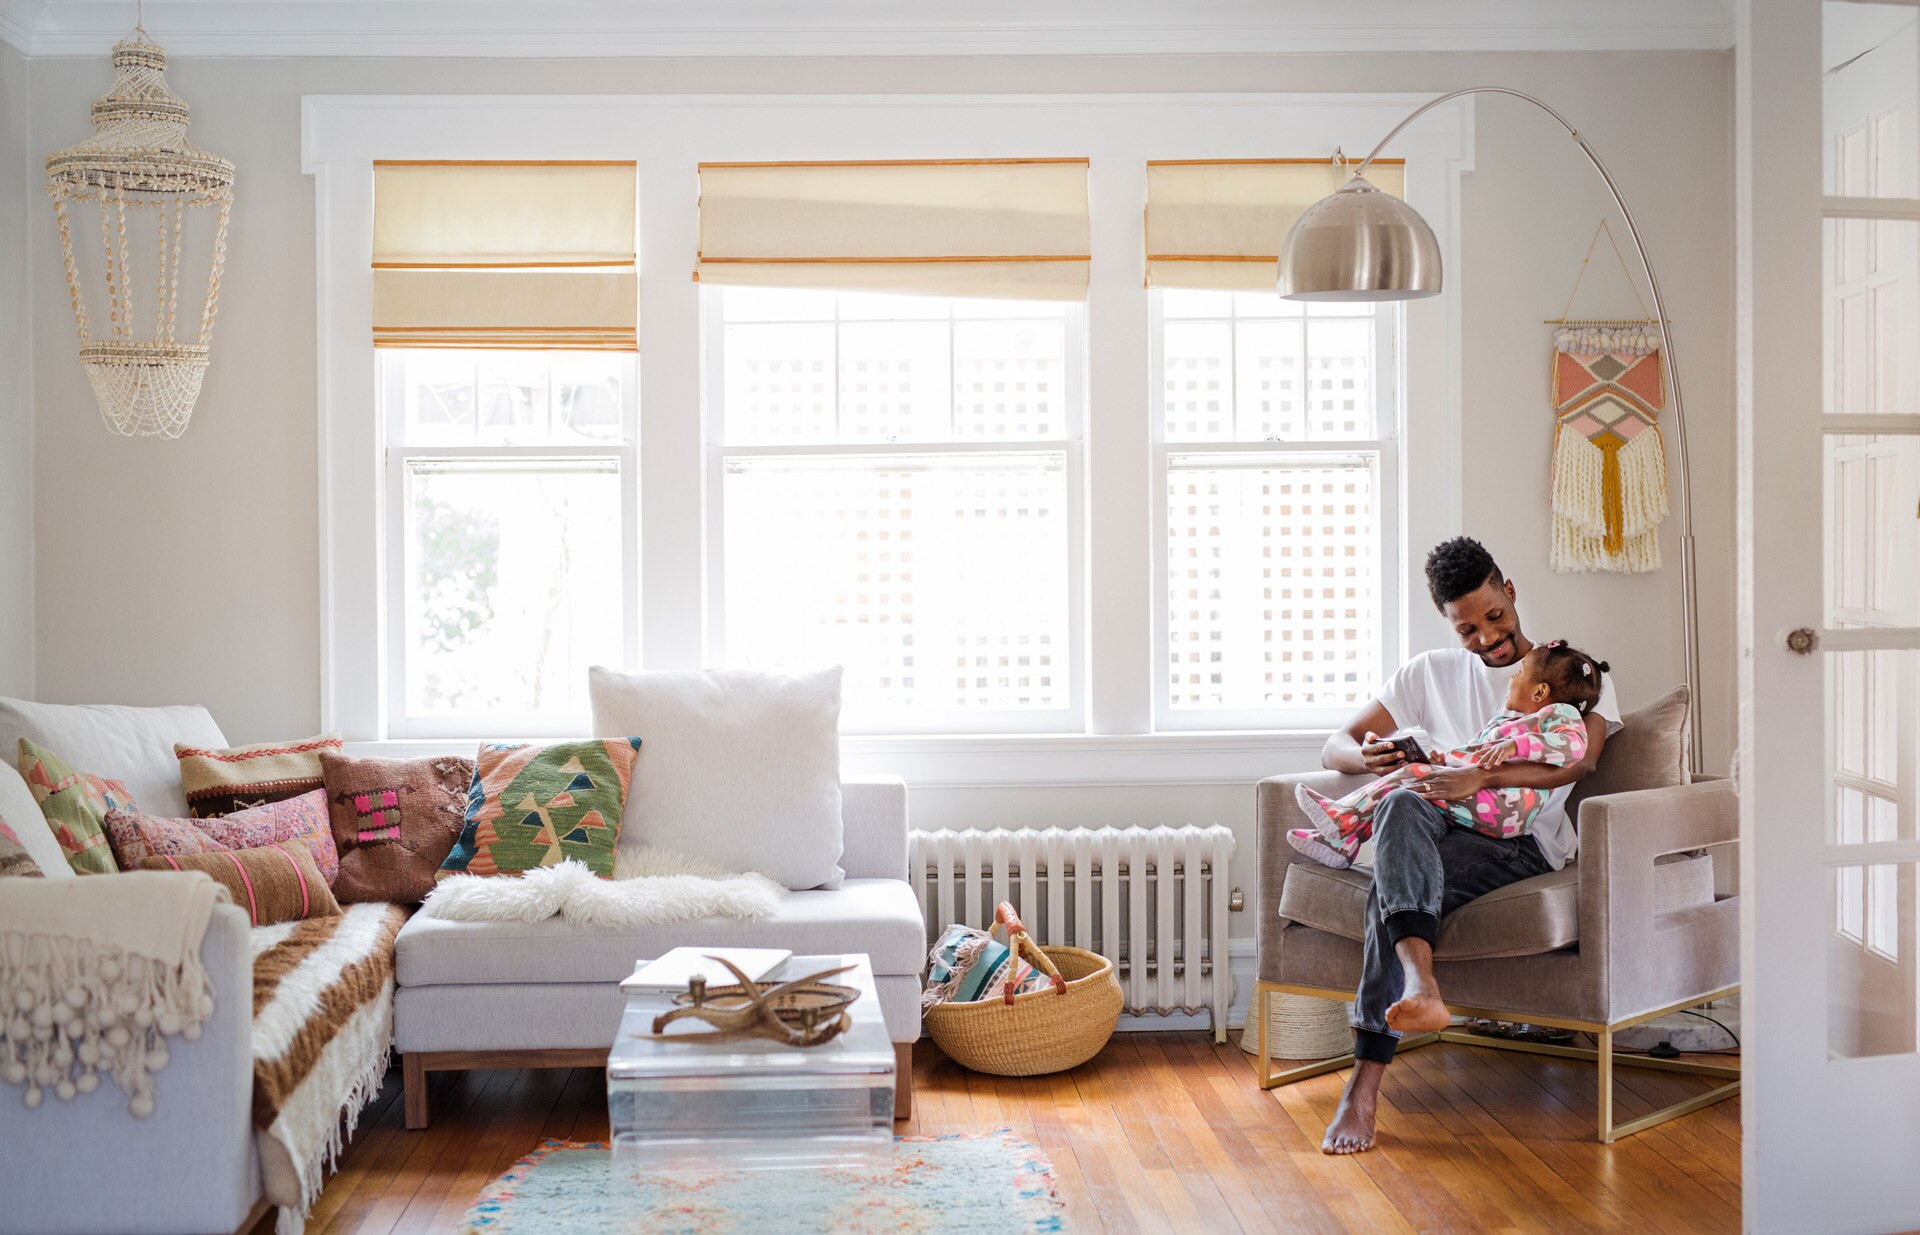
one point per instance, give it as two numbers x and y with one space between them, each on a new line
803 1012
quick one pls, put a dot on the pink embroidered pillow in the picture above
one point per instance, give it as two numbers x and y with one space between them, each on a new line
137 837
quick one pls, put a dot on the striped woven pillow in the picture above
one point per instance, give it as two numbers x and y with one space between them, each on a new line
274 883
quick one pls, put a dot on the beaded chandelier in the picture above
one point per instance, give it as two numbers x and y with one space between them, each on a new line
148 184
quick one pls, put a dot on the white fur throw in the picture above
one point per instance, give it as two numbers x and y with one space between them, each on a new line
650 887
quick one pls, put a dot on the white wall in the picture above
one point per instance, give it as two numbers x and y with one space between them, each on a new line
189 570
18 219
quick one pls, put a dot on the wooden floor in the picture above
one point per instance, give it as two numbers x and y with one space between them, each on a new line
1167 1132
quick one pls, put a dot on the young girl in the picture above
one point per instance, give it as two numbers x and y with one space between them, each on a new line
1547 703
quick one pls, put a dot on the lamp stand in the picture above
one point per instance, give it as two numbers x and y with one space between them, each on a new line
1689 617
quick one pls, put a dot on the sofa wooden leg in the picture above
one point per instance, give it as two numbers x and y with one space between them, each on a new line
413 1085
903 1080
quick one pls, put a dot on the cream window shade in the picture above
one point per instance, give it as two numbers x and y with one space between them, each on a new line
1012 228
1219 224
505 255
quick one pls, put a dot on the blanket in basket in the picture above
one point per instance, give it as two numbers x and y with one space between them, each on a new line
322 1027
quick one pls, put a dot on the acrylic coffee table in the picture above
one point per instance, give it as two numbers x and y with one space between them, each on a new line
753 1105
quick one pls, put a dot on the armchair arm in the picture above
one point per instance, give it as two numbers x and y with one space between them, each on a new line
1643 962
1276 812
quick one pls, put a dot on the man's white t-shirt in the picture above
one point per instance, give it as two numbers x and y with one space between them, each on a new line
1452 694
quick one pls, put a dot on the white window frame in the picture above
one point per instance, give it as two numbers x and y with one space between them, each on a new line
667 136
1068 719
394 513
1390 325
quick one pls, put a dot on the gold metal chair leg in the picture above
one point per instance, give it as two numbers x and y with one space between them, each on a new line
1605 1040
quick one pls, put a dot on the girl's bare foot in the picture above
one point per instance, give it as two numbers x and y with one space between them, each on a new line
1419 1011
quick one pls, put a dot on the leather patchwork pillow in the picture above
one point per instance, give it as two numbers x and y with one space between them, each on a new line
394 822
137 837
532 806
274 883
76 805
15 861
220 782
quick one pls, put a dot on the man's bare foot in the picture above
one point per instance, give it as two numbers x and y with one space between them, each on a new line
1419 1011
1352 1131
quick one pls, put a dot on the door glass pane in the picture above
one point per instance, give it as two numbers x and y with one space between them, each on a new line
1870 700
1871 961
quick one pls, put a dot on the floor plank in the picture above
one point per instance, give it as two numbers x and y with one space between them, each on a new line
1168 1132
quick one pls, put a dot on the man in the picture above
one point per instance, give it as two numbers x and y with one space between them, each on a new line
1425 867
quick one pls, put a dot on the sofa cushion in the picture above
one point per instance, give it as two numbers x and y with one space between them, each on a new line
274 883
137 837
537 805
394 822
738 766
877 916
75 805
1535 915
22 816
222 782
132 745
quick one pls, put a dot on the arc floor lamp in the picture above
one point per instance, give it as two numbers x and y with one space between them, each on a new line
1362 244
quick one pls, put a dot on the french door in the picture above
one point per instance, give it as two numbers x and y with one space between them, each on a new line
1828 167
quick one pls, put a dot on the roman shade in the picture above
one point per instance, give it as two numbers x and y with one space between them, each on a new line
504 255
1219 223
1010 228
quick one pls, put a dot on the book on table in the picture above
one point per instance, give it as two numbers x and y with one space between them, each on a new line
675 969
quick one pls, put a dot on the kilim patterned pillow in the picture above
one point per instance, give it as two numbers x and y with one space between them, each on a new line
274 883
76 806
137 837
220 782
14 860
394 822
533 806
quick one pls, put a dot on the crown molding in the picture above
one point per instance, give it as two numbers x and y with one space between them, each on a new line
603 28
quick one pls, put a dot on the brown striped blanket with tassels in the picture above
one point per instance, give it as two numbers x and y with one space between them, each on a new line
322 1029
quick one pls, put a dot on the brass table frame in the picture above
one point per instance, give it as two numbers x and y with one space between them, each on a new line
1603 1055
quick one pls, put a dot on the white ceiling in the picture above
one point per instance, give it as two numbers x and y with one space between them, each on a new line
862 27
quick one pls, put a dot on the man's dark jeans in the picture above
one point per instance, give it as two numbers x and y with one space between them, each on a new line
1424 867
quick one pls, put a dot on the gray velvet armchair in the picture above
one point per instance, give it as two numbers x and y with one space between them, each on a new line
1631 931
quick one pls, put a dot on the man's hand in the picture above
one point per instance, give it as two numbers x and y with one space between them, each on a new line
1382 757
1495 755
1450 784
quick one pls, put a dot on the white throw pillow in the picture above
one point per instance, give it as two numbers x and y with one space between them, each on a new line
131 745
21 813
739 767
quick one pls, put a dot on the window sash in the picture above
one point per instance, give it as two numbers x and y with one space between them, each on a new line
1388 502
904 721
393 520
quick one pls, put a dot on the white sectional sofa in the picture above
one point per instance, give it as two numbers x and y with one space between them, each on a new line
468 995
546 994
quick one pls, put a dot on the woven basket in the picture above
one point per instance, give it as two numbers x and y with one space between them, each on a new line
1051 1029
1301 1027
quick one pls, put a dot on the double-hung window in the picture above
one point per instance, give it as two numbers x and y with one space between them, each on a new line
1275 460
893 377
504 326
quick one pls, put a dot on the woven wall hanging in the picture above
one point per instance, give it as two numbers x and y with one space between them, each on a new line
148 184
1609 461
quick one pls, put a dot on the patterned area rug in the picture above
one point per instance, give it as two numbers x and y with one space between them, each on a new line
988 1183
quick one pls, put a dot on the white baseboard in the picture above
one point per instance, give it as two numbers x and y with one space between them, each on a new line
1240 959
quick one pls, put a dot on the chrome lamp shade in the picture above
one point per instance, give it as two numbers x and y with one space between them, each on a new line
1359 244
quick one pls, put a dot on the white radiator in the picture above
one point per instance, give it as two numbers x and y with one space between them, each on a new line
1152 900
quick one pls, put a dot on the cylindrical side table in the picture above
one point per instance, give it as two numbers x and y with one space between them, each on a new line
1301 1027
